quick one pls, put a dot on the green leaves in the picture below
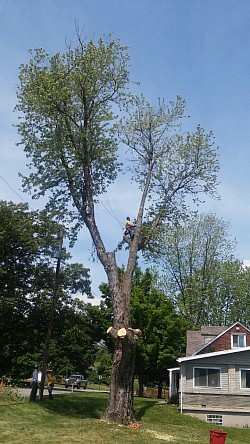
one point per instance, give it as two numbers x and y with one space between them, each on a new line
200 272
27 277
163 330
66 123
175 167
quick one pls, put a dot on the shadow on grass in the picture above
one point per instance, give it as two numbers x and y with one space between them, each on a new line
142 405
87 405
78 405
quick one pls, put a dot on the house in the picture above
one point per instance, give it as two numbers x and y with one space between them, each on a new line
213 379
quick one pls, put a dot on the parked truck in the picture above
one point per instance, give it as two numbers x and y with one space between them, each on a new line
77 381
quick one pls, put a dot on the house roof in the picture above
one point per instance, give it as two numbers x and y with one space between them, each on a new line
212 354
175 369
222 332
196 339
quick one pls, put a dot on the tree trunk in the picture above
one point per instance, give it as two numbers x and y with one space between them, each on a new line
124 338
51 321
141 379
141 388
120 407
160 387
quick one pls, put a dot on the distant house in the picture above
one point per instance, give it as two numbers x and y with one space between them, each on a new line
213 379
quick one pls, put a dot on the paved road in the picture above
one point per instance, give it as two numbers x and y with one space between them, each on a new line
58 390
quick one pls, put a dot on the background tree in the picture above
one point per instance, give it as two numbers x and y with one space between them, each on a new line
231 295
74 342
163 337
199 269
27 274
164 331
103 364
67 105
22 250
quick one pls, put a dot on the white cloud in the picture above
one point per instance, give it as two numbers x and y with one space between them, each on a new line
246 263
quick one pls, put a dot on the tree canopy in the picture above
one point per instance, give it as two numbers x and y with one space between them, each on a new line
67 102
199 270
164 331
27 270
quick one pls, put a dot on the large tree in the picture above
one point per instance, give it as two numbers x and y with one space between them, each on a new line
68 104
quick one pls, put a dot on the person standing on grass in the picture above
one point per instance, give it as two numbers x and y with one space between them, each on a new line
51 382
34 384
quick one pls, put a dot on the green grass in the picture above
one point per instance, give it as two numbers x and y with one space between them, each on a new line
76 418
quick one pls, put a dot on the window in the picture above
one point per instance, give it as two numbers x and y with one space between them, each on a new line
214 419
206 377
245 378
238 340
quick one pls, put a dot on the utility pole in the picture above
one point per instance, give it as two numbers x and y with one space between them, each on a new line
58 255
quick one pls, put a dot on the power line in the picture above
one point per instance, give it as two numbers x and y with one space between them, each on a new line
5 181
112 213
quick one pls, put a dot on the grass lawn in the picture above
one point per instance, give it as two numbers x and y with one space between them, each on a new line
76 418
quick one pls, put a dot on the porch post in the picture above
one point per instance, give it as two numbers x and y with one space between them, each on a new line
181 387
170 383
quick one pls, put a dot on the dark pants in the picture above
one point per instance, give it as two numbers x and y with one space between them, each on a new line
50 388
130 233
34 387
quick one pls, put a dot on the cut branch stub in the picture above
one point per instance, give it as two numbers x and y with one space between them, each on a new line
112 332
122 332
136 331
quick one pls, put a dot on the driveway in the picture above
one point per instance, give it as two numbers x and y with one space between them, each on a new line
58 390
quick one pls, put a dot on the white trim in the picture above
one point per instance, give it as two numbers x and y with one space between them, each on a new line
171 372
170 384
208 355
206 386
238 334
181 389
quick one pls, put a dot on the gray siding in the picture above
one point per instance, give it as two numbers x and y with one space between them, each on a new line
229 394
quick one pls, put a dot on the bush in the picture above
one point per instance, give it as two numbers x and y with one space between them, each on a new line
9 393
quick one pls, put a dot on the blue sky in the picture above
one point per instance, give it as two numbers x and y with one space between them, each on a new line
193 48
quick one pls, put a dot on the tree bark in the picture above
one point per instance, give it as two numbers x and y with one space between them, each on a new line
124 338
141 380
51 322
120 406
160 387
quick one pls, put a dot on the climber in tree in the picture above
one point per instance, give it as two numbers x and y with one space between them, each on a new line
128 235
129 228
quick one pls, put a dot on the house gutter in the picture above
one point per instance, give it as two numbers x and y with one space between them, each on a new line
212 354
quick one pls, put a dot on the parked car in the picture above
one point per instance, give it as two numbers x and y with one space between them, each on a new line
77 381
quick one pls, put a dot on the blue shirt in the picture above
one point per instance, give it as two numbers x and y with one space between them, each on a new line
35 375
